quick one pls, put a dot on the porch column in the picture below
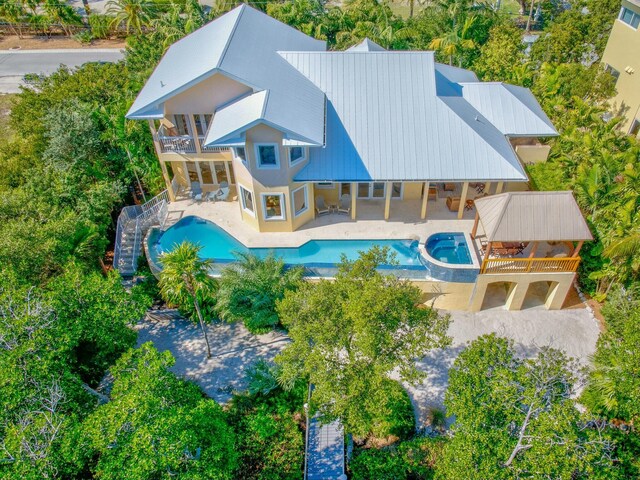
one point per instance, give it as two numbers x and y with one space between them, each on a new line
154 135
387 199
463 199
474 230
576 250
425 199
167 181
487 188
194 133
354 194
499 187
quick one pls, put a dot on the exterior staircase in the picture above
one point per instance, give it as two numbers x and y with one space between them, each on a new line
133 223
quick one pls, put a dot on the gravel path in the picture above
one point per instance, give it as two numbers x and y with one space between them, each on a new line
233 349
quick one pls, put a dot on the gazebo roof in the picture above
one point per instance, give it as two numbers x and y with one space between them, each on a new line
532 216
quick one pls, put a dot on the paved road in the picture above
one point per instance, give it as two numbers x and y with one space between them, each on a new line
15 64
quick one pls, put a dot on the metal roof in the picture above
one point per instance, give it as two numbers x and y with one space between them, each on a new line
366 46
385 121
513 110
243 45
532 216
237 116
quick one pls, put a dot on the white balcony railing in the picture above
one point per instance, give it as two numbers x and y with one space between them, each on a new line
179 144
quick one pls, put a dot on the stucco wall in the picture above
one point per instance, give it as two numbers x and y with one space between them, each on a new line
623 50
206 96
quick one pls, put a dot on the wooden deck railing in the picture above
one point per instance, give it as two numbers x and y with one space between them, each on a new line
529 265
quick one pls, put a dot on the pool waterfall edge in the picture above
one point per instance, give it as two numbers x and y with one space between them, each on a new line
415 262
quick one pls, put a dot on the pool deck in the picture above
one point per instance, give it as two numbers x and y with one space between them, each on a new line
404 223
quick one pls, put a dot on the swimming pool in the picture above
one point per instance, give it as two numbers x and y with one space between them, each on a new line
220 246
449 248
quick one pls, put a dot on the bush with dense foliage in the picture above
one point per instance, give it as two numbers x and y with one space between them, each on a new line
249 290
414 459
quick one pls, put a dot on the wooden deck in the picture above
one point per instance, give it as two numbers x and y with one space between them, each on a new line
529 265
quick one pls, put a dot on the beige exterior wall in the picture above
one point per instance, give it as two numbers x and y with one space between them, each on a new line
623 51
206 96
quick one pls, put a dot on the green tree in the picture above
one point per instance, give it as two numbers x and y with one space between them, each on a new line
133 14
501 55
156 425
454 42
248 290
515 418
185 280
349 334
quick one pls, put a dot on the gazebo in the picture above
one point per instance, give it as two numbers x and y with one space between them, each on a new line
528 237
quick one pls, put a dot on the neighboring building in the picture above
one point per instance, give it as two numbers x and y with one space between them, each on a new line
403 146
251 101
622 60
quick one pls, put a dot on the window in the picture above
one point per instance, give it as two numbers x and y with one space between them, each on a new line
396 190
378 190
345 189
221 172
614 73
325 185
267 155
273 206
373 190
300 200
240 154
202 123
247 200
296 154
205 172
629 17
635 127
181 123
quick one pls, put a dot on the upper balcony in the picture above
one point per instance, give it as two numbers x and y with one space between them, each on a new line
170 141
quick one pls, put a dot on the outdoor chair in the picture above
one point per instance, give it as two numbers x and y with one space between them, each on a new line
345 204
196 191
221 194
321 207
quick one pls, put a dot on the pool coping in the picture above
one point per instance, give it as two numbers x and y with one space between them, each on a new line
475 261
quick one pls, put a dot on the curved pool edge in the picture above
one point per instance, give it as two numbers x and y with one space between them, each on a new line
451 272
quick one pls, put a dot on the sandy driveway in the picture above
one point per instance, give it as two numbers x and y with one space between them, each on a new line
574 331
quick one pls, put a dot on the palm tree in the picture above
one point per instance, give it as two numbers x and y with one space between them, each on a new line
135 14
250 289
185 279
456 41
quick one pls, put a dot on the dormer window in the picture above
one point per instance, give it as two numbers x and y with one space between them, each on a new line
296 155
267 155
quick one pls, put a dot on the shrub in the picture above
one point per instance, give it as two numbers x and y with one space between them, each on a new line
100 26
399 420
413 459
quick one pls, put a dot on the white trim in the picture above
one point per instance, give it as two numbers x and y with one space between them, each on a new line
276 149
306 200
281 217
297 160
242 202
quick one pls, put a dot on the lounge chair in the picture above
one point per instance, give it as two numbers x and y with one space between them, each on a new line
221 194
345 204
321 208
196 191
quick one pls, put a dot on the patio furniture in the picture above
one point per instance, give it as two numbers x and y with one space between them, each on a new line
433 193
345 204
480 187
468 205
321 207
449 187
196 191
221 194
453 203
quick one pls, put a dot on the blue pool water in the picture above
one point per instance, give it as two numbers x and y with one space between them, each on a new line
449 248
220 246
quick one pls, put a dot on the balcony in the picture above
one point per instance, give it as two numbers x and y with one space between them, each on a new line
529 265
206 149
176 144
